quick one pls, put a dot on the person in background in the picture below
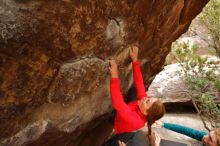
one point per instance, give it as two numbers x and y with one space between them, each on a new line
208 139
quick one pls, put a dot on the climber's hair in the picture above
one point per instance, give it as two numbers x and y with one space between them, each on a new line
155 112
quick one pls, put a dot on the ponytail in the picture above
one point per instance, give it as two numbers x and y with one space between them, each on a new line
150 122
156 111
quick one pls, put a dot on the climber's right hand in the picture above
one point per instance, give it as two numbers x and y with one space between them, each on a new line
133 51
113 68
120 143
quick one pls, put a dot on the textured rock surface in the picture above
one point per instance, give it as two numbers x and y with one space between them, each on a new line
169 85
54 62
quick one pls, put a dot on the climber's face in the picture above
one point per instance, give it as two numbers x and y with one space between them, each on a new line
210 139
145 104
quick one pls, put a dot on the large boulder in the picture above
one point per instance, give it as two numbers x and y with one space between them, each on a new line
169 85
54 62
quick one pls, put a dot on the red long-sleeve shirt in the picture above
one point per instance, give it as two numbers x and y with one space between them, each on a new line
128 116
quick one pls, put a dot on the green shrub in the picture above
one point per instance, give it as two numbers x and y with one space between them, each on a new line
201 79
210 17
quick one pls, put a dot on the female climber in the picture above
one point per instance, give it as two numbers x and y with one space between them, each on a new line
133 116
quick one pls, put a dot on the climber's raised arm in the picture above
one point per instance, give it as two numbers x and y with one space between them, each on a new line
116 96
137 76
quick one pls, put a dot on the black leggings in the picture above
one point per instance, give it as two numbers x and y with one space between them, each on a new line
125 137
